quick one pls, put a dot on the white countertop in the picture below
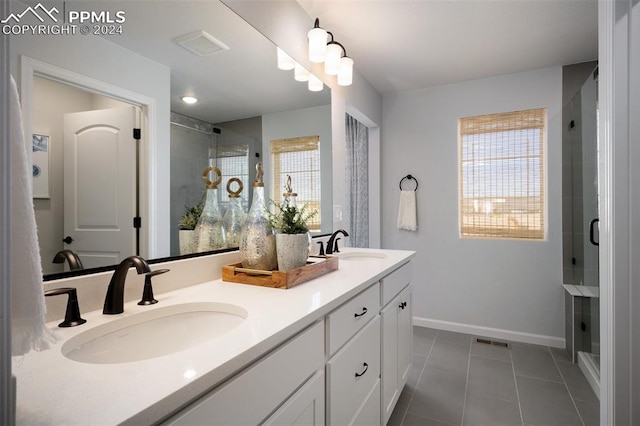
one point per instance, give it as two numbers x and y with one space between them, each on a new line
55 390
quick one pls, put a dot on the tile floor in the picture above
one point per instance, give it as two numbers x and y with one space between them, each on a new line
457 381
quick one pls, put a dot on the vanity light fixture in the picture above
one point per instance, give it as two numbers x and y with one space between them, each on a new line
285 62
332 53
189 99
300 73
315 84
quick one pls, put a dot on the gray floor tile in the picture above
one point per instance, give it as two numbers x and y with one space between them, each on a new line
450 357
534 361
493 378
423 339
401 408
560 355
546 403
490 351
578 386
439 396
454 337
590 412
484 410
417 364
413 420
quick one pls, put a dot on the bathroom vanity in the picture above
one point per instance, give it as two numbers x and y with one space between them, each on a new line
335 350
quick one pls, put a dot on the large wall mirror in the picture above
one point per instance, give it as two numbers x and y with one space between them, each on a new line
244 101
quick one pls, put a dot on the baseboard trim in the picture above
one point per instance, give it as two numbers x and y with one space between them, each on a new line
514 336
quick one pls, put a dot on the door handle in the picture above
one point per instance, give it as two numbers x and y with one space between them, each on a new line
364 311
366 367
67 240
592 227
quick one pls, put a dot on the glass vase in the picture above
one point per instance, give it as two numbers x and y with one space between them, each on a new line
235 216
258 241
210 232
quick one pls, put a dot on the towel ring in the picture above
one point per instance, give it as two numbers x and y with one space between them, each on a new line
410 178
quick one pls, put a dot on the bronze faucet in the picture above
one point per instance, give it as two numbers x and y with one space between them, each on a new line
114 302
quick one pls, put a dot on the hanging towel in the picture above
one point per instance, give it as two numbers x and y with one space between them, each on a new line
27 304
407 211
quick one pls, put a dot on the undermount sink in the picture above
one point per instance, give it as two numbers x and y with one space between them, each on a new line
361 255
154 333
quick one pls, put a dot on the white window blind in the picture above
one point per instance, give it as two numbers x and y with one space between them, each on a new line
300 159
502 175
233 161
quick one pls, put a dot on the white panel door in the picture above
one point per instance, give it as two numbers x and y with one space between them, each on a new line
100 185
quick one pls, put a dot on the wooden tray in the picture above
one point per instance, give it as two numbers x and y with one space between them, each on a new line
315 267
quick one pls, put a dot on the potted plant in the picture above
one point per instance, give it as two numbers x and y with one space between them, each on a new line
187 225
292 237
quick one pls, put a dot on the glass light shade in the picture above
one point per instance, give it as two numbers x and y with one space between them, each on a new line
332 59
345 75
189 99
285 62
317 44
300 73
315 84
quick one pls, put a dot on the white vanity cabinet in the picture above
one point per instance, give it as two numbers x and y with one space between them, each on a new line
396 337
290 377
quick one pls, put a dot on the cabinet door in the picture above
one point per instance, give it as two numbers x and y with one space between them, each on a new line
305 407
405 336
389 354
396 350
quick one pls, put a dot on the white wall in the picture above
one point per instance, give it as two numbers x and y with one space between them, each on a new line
303 122
98 59
512 288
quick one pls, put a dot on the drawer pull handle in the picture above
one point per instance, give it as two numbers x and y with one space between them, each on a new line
403 305
366 367
364 311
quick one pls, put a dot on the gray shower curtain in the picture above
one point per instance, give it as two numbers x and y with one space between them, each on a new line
357 182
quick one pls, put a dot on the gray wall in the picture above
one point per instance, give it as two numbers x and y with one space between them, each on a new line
508 289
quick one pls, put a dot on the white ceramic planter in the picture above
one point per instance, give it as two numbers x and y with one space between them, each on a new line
292 250
187 237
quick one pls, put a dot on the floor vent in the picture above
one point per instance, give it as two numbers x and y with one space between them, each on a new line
492 342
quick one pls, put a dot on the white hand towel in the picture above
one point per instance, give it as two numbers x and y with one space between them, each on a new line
407 218
27 304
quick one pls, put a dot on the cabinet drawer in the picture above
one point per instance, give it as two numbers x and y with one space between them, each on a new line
264 385
394 282
345 321
369 413
352 374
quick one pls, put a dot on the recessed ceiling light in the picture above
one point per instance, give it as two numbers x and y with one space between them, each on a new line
189 99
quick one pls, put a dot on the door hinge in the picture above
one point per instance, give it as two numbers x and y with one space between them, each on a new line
137 134
137 222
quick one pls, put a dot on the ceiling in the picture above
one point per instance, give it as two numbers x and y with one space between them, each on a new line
397 45
401 45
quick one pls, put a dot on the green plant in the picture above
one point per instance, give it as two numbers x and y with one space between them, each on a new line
189 219
290 220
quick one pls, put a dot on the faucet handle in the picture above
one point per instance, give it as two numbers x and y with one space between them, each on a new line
336 249
72 315
321 250
147 292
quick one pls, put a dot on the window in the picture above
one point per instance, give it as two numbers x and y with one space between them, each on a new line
502 175
300 159
233 161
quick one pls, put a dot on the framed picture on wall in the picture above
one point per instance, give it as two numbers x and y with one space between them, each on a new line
41 145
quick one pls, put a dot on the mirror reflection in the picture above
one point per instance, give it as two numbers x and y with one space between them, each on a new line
245 101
